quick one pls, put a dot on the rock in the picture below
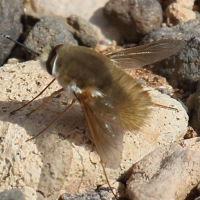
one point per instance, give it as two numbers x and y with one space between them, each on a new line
190 133
184 31
86 195
134 19
12 61
186 3
91 11
63 156
169 172
184 66
195 111
176 14
45 8
83 31
10 24
12 195
91 194
49 30
182 69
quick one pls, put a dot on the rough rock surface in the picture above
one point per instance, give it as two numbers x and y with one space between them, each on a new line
63 156
177 13
10 24
182 69
51 30
185 3
134 19
91 194
169 172
82 31
184 31
88 195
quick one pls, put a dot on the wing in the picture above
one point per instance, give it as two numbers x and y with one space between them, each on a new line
146 54
105 128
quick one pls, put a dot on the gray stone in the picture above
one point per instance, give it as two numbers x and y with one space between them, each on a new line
134 19
49 30
81 196
181 70
83 31
14 194
11 13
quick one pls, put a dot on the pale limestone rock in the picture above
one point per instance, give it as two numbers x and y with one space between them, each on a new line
12 61
63 7
169 172
186 3
177 13
63 159
87 9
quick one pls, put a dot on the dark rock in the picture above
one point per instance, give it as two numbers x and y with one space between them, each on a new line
49 30
82 31
195 118
101 194
181 70
184 31
14 194
133 18
10 12
81 196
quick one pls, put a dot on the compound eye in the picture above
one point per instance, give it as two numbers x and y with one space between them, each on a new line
51 59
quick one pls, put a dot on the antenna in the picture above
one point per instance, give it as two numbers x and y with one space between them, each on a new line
32 51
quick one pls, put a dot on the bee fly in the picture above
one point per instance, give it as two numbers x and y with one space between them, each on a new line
111 100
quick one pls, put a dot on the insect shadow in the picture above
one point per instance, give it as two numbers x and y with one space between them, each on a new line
69 129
